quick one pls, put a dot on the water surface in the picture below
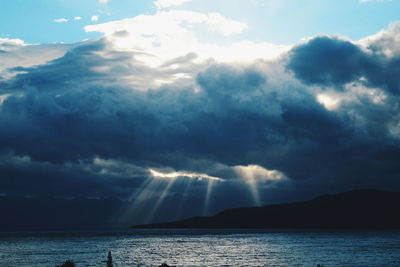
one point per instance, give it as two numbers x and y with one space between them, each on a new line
203 248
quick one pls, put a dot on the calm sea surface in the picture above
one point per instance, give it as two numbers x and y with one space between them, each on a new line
203 248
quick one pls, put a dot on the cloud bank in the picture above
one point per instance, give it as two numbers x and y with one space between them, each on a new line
317 117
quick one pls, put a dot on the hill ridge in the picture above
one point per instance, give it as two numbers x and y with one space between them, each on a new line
355 209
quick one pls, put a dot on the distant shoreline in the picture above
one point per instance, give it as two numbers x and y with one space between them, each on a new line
353 210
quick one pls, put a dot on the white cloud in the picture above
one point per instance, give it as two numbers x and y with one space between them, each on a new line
223 25
170 3
366 1
17 53
387 41
77 18
103 1
94 18
189 175
333 100
329 101
10 44
170 34
252 173
61 20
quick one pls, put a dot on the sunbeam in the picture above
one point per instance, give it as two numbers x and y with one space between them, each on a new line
254 192
142 198
210 185
255 174
185 192
160 200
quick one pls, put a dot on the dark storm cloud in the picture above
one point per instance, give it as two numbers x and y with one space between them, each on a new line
330 61
23 176
327 61
68 110
95 102
71 111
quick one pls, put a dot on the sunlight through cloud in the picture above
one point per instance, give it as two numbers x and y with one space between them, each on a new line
258 173
3 98
191 175
253 175
171 34
328 101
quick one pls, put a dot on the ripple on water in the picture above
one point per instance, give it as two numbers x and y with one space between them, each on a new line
202 248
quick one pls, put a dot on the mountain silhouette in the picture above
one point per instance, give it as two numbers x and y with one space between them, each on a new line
358 209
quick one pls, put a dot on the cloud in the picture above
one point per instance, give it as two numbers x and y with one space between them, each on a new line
225 26
104 1
170 3
10 44
61 20
16 53
366 1
84 178
95 18
385 42
77 18
169 34
188 175
326 60
3 97
329 61
321 116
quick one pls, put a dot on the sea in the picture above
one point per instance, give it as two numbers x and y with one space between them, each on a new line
130 248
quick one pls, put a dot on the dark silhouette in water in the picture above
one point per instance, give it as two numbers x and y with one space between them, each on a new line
109 260
359 209
67 264
164 265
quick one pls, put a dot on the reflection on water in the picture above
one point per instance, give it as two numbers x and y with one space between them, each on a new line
204 248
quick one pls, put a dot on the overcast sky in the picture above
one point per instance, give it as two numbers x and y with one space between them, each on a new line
241 102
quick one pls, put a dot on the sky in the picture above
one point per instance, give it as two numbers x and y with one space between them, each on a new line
224 103
277 21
